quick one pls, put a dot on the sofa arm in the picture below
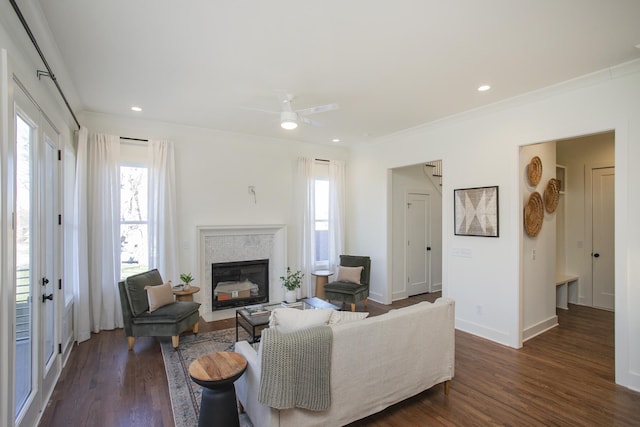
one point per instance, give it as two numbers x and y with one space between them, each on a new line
248 386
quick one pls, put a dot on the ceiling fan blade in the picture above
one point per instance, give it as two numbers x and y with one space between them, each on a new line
310 121
242 107
318 109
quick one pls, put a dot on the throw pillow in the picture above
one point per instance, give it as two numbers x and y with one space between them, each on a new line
287 320
159 296
349 274
346 316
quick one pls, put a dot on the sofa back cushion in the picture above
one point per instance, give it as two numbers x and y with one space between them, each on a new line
356 261
136 294
286 320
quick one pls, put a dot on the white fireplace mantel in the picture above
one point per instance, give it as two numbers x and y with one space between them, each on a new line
228 243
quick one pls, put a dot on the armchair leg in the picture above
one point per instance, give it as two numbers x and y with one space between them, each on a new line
366 300
353 307
447 385
131 341
175 340
195 328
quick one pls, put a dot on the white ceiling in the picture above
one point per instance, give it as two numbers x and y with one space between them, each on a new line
390 65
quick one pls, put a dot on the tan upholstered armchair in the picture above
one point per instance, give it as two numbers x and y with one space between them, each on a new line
347 288
168 320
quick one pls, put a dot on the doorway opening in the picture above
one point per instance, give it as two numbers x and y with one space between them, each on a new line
416 199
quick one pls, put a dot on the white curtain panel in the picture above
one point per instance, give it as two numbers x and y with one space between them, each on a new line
336 212
97 234
305 206
80 261
163 234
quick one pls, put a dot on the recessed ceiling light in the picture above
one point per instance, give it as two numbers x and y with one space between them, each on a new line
136 109
483 88
335 140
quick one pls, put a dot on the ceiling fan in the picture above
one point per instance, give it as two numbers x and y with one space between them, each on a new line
290 118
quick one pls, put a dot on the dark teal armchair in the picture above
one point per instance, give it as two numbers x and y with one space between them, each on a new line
168 321
348 292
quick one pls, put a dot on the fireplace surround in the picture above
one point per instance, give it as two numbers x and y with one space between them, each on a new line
237 243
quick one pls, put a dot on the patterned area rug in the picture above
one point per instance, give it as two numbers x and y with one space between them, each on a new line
185 394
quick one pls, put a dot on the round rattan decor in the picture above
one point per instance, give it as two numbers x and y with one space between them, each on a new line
552 195
533 214
534 170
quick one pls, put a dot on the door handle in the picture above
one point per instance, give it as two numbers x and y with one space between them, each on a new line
47 297
45 281
596 255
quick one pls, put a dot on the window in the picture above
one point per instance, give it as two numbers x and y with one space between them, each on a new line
321 216
134 242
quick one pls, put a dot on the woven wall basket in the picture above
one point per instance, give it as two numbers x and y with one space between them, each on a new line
534 171
533 214
552 195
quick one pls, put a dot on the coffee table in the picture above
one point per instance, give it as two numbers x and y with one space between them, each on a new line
255 320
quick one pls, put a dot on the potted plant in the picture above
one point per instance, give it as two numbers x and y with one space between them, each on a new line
291 282
186 278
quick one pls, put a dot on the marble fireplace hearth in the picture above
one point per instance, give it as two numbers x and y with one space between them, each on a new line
239 243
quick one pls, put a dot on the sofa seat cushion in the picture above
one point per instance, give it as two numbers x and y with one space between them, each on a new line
344 288
171 313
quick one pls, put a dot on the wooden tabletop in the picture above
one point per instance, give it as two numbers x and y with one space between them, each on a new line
192 290
217 366
326 273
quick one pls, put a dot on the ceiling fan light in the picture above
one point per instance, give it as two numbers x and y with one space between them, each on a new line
288 124
288 120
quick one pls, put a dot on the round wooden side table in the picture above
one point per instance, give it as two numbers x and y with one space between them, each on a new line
322 278
216 373
186 294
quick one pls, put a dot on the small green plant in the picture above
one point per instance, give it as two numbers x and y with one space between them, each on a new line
292 281
186 278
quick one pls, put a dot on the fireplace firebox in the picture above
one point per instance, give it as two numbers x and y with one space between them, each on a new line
239 283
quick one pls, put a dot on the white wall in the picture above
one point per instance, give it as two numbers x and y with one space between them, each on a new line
19 59
213 172
481 148
577 155
413 179
539 252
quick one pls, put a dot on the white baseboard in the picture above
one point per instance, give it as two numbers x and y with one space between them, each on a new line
539 328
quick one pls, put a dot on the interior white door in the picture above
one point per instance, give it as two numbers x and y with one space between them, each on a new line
603 180
418 249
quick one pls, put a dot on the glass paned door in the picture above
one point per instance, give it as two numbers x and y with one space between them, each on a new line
37 245
25 136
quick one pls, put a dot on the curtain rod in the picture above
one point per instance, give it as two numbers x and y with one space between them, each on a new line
46 64
134 139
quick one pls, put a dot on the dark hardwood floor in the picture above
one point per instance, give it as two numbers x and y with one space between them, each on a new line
565 377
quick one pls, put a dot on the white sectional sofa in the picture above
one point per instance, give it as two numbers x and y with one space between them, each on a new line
375 363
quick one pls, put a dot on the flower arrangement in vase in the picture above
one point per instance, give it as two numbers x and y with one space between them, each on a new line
291 282
186 278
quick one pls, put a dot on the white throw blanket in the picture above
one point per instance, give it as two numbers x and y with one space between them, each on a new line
296 369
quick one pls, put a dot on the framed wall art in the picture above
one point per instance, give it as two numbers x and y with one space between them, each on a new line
476 211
